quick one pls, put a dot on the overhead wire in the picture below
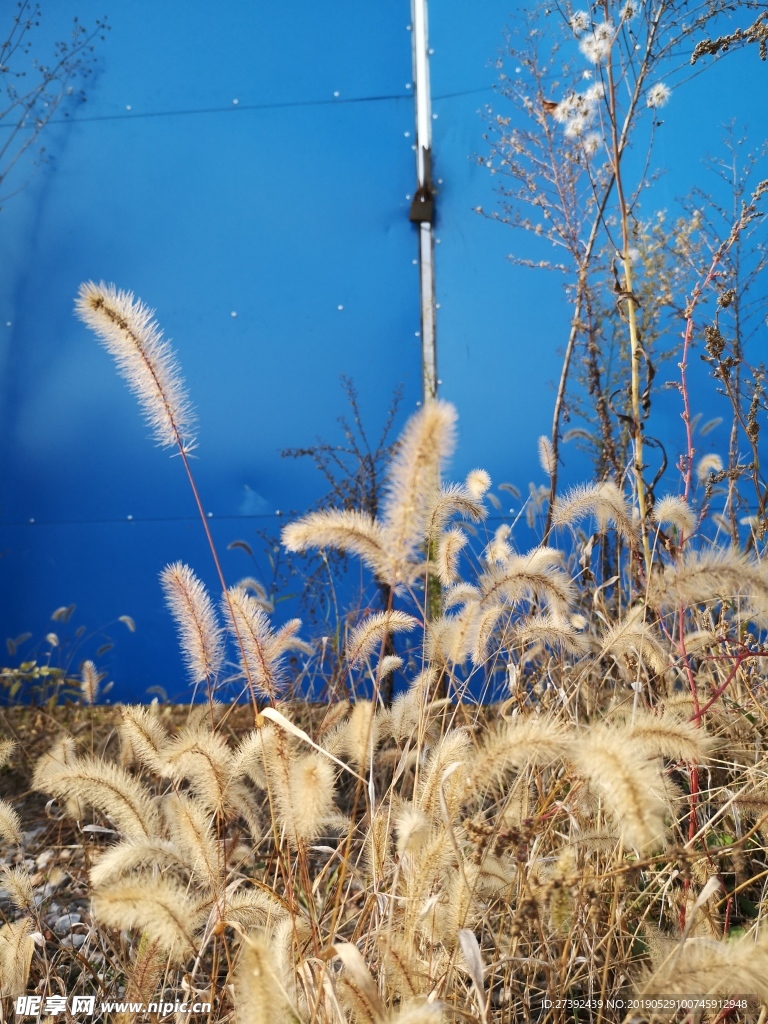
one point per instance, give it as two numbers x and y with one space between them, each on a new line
232 108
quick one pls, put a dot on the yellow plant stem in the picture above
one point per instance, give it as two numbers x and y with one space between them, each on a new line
629 295
637 426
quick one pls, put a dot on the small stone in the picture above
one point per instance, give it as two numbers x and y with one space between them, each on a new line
63 925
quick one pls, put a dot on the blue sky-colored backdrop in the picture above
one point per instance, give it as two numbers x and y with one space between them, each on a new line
244 168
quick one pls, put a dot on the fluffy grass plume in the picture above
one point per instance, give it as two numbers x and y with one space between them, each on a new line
554 632
536 576
666 735
344 530
604 501
391 546
10 823
628 781
413 480
18 886
133 855
16 948
451 500
373 630
160 907
634 636
145 972
142 736
546 455
499 549
259 997
107 787
674 511
449 548
205 760
7 748
306 802
190 825
262 649
535 740
478 483
146 361
412 828
90 678
361 733
707 465
737 967
712 574
201 637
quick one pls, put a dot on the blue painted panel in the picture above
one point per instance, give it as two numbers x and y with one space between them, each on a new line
272 237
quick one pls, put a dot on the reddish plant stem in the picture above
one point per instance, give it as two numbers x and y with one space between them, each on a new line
742 656
222 581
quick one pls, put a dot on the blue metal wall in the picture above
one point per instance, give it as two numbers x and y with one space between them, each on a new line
243 168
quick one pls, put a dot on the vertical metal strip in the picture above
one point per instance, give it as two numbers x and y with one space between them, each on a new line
424 177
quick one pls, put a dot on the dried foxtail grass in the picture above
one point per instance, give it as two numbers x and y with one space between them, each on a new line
540 741
478 483
16 883
16 948
451 500
259 997
536 576
90 678
629 782
345 530
262 648
202 639
425 445
145 973
676 512
144 359
142 736
449 548
392 546
438 858
373 630
555 632
104 786
163 910
633 636
10 823
707 575
603 501
708 968
305 805
361 734
7 748
666 735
